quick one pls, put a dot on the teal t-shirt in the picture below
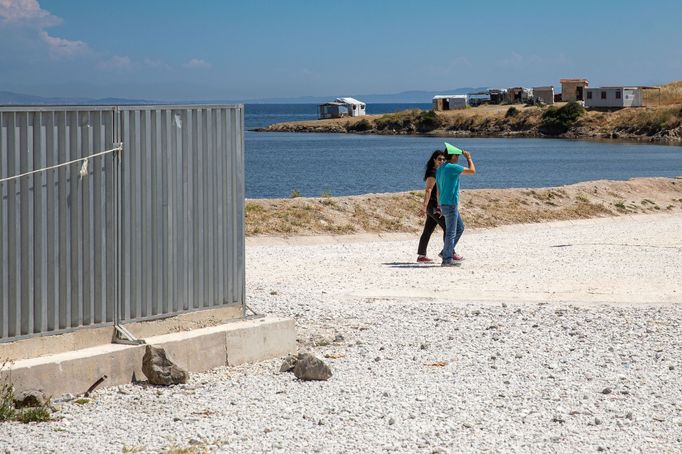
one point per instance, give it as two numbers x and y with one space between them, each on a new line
447 179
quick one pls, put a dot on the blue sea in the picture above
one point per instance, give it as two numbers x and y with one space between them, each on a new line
278 164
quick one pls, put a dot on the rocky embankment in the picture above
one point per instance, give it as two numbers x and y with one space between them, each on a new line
650 124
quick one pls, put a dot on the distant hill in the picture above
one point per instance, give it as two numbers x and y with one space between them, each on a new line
413 96
19 99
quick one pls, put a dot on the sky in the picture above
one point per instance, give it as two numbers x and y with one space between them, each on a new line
236 50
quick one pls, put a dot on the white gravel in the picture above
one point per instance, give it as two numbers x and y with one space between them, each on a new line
560 337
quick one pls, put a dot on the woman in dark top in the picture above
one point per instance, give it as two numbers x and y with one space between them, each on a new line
430 207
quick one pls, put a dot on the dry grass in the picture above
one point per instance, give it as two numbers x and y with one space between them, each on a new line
382 213
670 93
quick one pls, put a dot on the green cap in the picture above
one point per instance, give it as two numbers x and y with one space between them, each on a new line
451 149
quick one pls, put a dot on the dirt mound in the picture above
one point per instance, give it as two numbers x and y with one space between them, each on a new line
399 212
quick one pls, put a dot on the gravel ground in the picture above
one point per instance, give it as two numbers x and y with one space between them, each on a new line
561 337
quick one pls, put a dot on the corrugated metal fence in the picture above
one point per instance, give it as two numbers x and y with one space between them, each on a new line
152 231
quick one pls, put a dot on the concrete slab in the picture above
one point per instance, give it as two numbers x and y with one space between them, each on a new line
197 350
94 336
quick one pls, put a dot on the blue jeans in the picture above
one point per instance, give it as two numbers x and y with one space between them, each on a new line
454 227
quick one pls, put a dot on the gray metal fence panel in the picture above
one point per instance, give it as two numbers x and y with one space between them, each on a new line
56 237
157 233
182 246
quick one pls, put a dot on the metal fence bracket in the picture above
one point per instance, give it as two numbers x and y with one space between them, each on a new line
123 336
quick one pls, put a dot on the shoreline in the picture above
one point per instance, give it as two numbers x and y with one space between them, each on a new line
654 125
634 140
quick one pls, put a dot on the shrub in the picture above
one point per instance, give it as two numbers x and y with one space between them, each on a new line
33 414
427 121
558 121
511 112
362 125
295 193
6 401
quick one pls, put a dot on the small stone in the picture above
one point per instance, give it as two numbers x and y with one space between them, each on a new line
671 367
385 394
606 391
320 423
377 359
597 421
629 415
176 419
423 346
391 421
421 398
194 441
267 430
338 338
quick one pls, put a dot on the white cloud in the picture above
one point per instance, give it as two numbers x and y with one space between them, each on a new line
117 63
27 18
59 48
197 63
17 11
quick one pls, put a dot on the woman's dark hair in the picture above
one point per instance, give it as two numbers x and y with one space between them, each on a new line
430 164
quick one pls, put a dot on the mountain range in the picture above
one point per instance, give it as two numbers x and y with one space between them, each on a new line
412 96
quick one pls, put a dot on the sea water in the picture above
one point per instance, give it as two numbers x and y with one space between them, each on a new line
279 164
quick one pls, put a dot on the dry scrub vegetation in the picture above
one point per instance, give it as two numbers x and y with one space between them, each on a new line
398 212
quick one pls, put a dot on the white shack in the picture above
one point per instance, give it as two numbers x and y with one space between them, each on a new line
450 102
613 97
342 107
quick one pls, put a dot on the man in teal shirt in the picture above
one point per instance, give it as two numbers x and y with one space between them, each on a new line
447 180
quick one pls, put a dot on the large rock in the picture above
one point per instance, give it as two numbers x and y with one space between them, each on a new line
308 367
159 368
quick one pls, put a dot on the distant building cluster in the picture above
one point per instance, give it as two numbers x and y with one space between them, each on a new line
577 90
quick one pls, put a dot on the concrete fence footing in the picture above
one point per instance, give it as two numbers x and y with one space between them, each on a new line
229 344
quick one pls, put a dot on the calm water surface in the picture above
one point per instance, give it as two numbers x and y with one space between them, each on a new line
347 164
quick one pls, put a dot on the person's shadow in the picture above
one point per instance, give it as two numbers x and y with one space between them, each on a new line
410 265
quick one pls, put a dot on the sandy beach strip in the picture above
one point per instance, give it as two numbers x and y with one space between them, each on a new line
554 337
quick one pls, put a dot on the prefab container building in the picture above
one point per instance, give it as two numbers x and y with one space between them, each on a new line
149 226
573 89
544 94
614 97
450 102
518 95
